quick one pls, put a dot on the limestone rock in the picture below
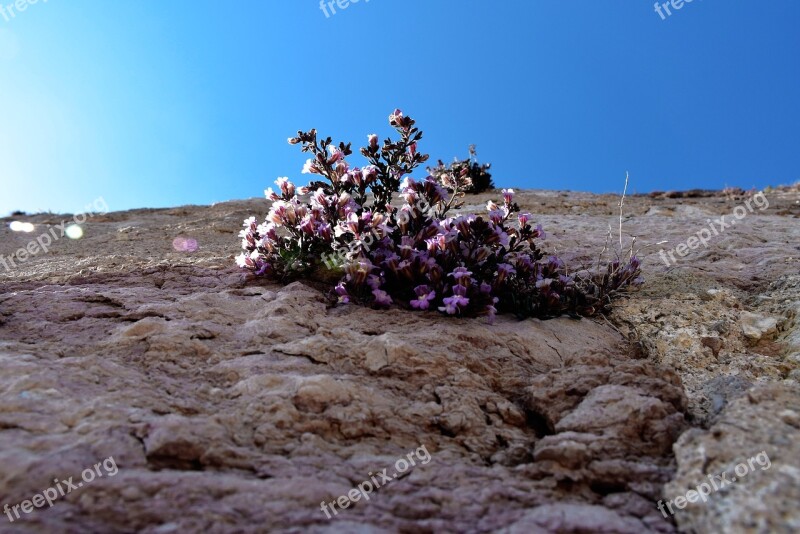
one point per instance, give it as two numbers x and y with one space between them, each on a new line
756 327
756 445
238 405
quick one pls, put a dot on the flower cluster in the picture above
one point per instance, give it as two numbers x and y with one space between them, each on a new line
383 238
466 175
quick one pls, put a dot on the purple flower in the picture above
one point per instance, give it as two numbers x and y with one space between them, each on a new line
373 281
454 304
460 272
436 243
501 237
381 297
460 290
503 271
424 296
497 216
554 263
490 312
544 283
344 297
459 262
324 231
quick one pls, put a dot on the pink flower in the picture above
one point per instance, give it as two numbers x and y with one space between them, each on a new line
286 187
370 174
250 223
271 195
244 261
324 231
508 195
396 117
310 167
320 199
248 261
307 225
267 230
523 219
373 140
336 155
282 212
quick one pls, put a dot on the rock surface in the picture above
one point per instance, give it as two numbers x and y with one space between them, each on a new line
748 461
236 405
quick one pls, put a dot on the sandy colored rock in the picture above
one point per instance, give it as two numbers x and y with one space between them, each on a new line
757 327
238 405
756 444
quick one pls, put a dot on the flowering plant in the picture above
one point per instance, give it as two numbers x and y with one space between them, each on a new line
346 230
466 175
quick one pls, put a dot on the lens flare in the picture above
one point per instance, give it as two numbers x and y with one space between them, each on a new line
19 226
184 244
74 231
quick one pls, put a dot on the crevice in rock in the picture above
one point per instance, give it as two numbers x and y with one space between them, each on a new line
538 423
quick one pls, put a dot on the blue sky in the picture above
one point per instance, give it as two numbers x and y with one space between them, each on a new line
160 103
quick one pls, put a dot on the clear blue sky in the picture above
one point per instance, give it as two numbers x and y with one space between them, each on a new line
161 103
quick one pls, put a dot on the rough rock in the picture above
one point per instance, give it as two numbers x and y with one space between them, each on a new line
757 327
237 405
755 496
